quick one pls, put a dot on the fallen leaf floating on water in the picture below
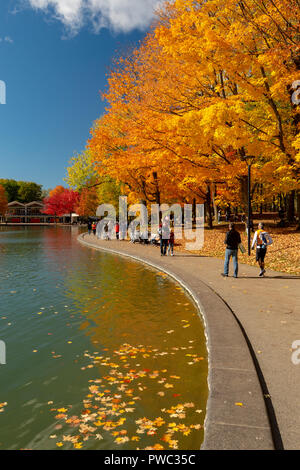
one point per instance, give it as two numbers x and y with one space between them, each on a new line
106 407
2 406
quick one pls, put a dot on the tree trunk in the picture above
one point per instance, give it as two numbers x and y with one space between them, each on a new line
157 191
291 207
298 209
194 210
209 208
214 193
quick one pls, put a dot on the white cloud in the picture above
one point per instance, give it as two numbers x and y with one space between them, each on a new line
119 15
7 39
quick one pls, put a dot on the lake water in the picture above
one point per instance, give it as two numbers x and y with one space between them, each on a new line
101 352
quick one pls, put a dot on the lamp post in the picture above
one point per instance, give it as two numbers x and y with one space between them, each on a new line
249 160
249 208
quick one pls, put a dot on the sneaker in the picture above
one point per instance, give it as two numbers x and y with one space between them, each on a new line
224 275
262 272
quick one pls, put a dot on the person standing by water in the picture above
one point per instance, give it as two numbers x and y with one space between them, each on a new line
232 241
171 243
89 227
94 226
165 237
117 227
262 239
159 232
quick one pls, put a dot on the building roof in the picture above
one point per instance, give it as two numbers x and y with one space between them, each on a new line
17 203
39 203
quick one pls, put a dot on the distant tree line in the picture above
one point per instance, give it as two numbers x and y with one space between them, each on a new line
23 191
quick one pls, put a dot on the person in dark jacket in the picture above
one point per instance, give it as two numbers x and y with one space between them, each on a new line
171 243
164 240
89 227
232 241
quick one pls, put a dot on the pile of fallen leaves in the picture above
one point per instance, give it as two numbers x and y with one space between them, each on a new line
283 255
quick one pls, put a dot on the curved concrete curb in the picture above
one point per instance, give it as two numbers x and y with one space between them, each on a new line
236 417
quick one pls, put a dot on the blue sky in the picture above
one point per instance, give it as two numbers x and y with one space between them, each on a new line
54 57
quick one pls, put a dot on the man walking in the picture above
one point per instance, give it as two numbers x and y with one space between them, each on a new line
89 227
232 241
262 240
165 235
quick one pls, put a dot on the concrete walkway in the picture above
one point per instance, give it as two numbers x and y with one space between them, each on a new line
269 311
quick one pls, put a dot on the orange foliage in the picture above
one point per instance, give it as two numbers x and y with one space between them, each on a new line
208 87
3 201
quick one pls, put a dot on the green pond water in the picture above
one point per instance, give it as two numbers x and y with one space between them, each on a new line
101 352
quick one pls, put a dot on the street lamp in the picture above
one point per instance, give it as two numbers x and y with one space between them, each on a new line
249 161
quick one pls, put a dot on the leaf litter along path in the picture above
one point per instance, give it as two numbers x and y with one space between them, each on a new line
283 255
268 308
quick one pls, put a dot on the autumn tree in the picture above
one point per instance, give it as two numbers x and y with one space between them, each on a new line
81 172
61 201
3 201
56 191
206 92
88 202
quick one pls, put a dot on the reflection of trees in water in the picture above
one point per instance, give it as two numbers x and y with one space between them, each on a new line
59 247
137 322
121 299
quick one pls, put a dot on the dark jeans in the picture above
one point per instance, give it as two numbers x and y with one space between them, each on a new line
163 246
260 254
228 254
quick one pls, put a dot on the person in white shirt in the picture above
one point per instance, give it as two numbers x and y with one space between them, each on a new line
262 240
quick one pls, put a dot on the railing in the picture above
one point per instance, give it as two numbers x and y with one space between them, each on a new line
21 213
16 213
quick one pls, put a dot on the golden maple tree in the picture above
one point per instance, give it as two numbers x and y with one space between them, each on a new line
205 94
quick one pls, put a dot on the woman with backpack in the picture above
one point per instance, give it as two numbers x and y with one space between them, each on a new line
262 240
